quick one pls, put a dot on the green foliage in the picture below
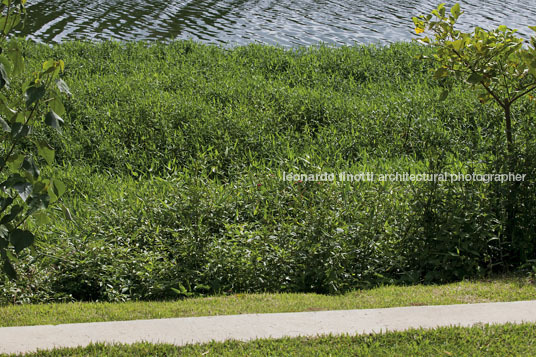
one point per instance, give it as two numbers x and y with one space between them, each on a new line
495 62
502 67
24 192
173 162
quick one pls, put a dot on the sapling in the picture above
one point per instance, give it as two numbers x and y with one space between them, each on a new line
24 193
497 64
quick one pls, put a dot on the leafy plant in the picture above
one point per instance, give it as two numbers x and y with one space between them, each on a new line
24 106
500 66
202 204
495 62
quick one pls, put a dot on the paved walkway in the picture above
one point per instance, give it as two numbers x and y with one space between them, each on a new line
181 331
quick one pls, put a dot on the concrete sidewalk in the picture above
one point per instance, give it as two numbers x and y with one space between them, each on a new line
181 331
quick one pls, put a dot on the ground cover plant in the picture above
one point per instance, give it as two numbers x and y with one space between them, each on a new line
174 157
495 340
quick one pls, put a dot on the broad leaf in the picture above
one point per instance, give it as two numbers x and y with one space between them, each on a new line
21 239
441 72
5 125
475 78
24 190
54 120
455 11
15 210
14 52
8 269
5 202
45 151
63 87
29 166
4 80
33 94
19 130
59 187
37 203
56 105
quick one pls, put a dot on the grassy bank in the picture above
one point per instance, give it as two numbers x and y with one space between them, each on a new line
502 340
467 292
174 156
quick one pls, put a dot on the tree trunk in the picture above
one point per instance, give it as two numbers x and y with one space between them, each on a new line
512 189
509 140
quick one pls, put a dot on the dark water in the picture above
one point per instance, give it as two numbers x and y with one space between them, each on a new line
232 22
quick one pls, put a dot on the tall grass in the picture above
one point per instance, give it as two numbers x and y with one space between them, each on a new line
174 155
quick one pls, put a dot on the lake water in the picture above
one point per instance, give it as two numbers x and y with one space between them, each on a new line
236 22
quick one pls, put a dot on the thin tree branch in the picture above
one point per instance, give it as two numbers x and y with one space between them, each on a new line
484 85
523 93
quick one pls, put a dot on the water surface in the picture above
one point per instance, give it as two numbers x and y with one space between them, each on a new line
236 22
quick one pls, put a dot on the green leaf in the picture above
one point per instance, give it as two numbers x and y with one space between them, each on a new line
59 188
4 107
458 44
37 203
12 180
484 98
33 94
19 130
533 28
5 125
475 78
41 218
24 190
14 52
15 210
441 72
21 239
425 40
56 105
12 257
5 202
29 166
48 65
455 11
63 87
8 269
54 120
20 117
15 161
441 9
3 234
4 79
45 151
51 194
7 65
444 95
14 20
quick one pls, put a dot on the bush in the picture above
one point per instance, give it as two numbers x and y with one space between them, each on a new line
174 165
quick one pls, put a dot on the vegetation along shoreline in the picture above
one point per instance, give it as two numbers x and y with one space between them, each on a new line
173 155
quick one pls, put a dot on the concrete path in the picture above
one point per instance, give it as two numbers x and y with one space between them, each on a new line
181 331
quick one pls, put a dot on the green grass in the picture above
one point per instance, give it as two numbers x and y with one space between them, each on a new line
173 155
502 340
502 289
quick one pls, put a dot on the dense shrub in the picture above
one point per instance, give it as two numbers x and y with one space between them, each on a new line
174 154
